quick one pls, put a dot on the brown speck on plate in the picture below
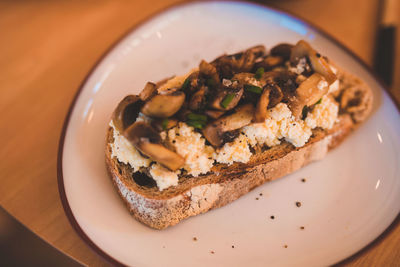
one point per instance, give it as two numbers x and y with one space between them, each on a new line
298 204
194 238
302 227
303 180
233 246
212 252
285 246
261 194
272 217
257 198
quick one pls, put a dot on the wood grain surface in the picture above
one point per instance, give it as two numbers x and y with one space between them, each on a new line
47 49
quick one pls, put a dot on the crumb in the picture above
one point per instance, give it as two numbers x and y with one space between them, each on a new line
285 246
298 204
261 194
272 217
257 198
212 251
194 238
233 246
302 227
303 180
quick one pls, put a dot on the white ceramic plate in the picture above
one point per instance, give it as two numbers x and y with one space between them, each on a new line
348 200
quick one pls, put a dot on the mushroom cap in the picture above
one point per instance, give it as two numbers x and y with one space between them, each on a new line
164 106
126 112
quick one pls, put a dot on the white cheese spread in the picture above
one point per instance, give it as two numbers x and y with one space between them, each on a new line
163 177
236 151
126 152
323 115
279 124
199 158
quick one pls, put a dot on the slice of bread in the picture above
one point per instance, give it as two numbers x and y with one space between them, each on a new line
224 184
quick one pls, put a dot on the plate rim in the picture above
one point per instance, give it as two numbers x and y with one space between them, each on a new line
60 178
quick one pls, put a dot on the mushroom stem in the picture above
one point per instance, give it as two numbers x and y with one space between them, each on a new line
261 110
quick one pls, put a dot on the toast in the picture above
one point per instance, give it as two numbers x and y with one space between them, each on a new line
192 194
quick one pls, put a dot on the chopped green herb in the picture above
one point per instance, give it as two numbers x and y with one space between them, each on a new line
185 84
164 124
319 101
196 124
253 88
197 117
259 73
227 100
304 112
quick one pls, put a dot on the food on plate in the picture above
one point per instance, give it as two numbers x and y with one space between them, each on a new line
195 142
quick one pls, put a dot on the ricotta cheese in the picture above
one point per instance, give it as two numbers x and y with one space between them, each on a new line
238 151
262 133
163 177
199 158
300 67
126 153
297 133
323 115
280 124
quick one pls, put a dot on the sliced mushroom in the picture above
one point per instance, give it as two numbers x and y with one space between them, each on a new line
214 131
269 98
148 141
126 112
308 93
318 63
209 70
164 106
164 81
275 96
257 51
227 99
261 110
287 83
227 66
282 50
197 101
148 91
215 114
269 62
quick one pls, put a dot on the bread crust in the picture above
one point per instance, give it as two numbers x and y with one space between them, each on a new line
192 196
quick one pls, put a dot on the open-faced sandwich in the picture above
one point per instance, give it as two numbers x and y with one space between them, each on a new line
192 143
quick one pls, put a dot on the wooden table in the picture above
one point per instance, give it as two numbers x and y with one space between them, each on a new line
47 49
